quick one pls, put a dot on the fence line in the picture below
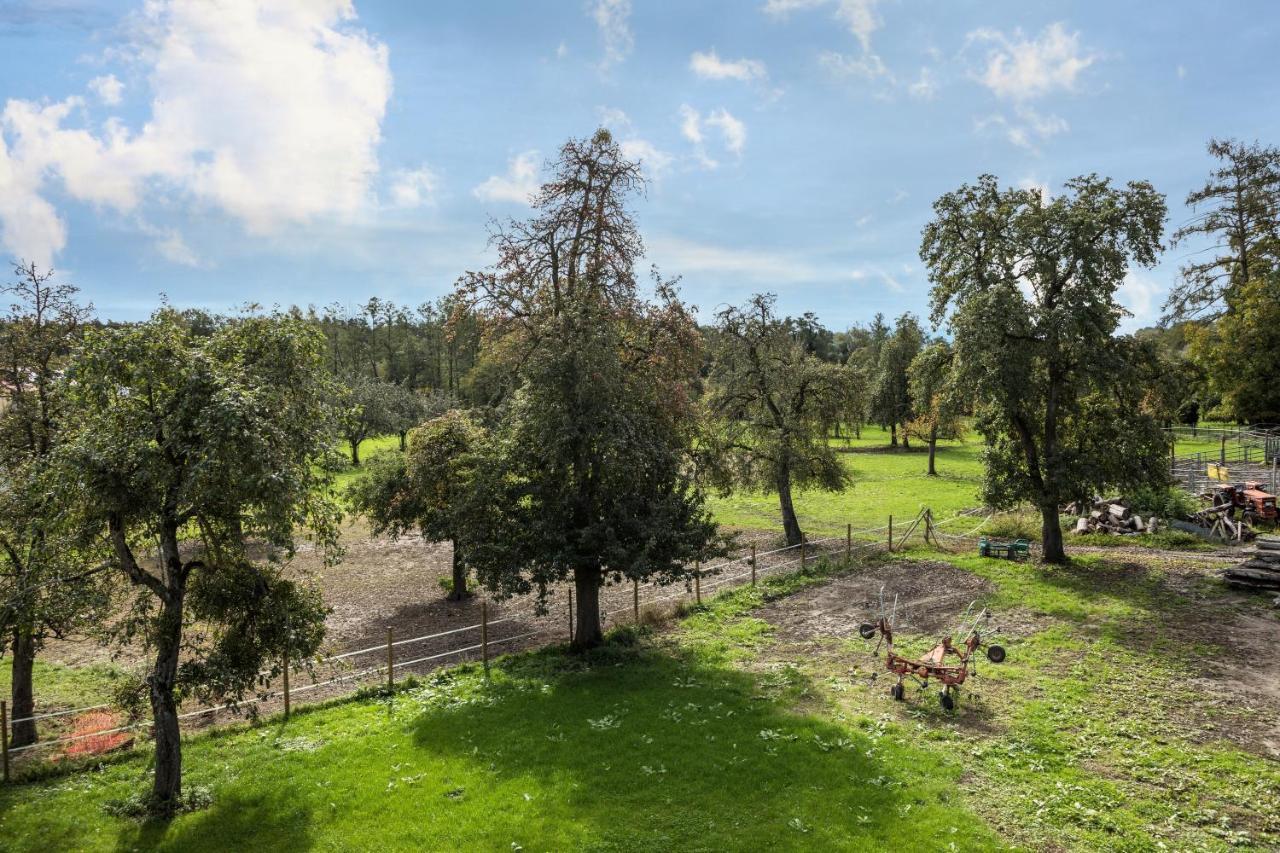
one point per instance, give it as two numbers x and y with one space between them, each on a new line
721 582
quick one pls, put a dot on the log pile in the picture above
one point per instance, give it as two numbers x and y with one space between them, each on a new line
1110 516
1261 572
1222 523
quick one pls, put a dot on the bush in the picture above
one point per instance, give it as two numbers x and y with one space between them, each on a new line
1167 502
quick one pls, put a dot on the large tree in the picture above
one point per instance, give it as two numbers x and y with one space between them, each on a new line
890 399
434 489
196 446
771 400
596 439
48 584
1028 285
935 398
371 407
1238 212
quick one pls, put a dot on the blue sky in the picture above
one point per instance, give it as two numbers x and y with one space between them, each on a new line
319 151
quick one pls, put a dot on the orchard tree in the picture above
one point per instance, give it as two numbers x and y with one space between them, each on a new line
1232 349
935 399
890 401
194 445
771 399
1028 286
434 489
370 408
594 474
49 584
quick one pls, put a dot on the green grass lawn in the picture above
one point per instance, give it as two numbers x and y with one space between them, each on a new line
368 449
721 736
882 483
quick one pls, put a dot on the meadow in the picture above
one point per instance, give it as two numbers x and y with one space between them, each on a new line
732 732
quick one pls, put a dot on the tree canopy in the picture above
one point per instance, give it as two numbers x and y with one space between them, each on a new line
1028 286
197 445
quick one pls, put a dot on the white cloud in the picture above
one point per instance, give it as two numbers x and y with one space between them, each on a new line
613 20
108 89
868 66
861 19
654 160
520 182
272 115
562 50
732 131
171 245
710 66
1142 296
864 220
1182 72
1021 68
782 8
1027 127
925 87
414 187
684 256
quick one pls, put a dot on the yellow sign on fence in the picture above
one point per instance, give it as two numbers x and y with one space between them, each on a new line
1218 472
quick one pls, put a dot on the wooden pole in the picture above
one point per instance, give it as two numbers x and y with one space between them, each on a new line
635 600
571 616
484 635
753 564
848 542
697 581
286 680
891 534
4 736
391 662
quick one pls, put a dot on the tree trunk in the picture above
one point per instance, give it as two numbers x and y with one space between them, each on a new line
789 523
21 695
403 440
355 452
933 450
1051 535
459 591
893 435
906 440
166 792
586 586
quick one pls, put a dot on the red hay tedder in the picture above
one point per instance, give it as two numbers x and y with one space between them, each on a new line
946 662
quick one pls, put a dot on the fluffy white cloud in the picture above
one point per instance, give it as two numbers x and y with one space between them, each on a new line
520 182
925 86
710 66
270 112
108 89
1026 127
1021 68
414 187
1141 296
858 16
613 21
732 132
654 160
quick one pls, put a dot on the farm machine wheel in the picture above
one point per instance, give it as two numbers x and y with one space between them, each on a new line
947 700
995 654
867 630
898 692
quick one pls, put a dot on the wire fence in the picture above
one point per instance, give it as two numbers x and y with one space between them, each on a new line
535 624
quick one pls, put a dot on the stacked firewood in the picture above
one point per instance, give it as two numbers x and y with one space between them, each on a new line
1110 515
1261 571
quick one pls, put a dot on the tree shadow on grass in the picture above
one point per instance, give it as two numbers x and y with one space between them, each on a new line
653 750
274 821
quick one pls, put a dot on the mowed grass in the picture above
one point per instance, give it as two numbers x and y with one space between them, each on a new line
883 482
652 744
368 449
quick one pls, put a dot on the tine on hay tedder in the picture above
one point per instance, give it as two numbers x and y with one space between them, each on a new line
947 662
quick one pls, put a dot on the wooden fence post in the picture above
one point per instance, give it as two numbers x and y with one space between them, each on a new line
391 662
891 534
286 680
753 564
848 543
484 635
4 736
697 580
635 600
571 615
